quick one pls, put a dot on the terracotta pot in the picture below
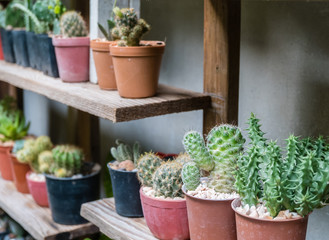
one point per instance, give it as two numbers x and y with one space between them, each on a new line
103 64
38 191
249 228
210 219
137 69
19 172
167 219
5 165
72 56
1 51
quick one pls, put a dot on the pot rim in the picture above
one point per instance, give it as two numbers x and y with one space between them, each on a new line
138 51
59 41
27 175
264 220
206 199
101 46
108 165
160 199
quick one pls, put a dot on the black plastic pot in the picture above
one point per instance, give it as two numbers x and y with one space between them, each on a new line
47 55
7 45
20 48
66 195
126 187
33 50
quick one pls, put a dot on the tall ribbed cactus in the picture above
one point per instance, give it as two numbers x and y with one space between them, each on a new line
129 29
73 25
191 176
147 164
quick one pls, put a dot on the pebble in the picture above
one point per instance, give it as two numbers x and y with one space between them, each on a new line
149 191
208 193
38 177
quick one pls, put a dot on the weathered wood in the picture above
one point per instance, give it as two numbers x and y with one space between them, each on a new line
89 98
102 214
221 60
35 219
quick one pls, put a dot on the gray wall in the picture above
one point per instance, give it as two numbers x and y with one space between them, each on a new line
284 75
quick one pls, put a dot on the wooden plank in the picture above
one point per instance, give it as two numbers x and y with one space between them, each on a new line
102 214
89 98
35 219
221 60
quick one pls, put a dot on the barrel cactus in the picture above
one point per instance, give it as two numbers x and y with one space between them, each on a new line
45 160
147 165
73 25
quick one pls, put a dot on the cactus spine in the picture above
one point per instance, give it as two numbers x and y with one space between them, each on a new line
73 25
147 165
191 176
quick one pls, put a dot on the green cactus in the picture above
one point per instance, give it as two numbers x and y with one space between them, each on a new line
183 158
224 144
73 25
45 161
123 151
147 165
43 143
69 158
195 146
129 29
191 176
167 180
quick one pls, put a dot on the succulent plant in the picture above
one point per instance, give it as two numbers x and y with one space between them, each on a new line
124 152
45 161
183 158
147 164
191 176
129 29
110 25
13 126
18 145
68 160
13 18
73 25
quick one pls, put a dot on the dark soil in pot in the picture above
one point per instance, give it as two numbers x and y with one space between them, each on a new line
47 55
126 187
33 50
7 45
20 48
66 195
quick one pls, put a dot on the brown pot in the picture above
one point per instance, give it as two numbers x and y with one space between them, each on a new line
210 219
19 172
103 64
249 228
137 69
5 165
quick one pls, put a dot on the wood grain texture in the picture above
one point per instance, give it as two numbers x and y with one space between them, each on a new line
89 98
102 214
35 219
221 60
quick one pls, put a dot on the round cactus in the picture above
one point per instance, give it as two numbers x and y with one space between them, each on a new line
191 176
73 25
147 165
183 158
45 160
194 145
43 143
26 155
167 180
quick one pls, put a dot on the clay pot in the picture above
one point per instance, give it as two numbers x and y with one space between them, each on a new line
1 51
137 69
72 56
5 165
38 191
19 172
167 219
249 228
103 64
210 219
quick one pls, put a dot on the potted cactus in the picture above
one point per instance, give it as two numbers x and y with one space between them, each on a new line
136 63
72 48
278 193
163 202
208 203
125 184
102 58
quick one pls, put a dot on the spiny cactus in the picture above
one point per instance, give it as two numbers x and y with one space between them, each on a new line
123 151
67 160
191 176
73 25
45 160
183 158
43 143
129 29
167 180
147 165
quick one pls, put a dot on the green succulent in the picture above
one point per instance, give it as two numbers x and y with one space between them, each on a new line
13 126
124 152
191 176
147 164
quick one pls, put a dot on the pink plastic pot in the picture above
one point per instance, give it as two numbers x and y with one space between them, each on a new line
167 219
72 56
38 191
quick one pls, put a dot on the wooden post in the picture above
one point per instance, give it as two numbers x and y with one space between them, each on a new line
221 60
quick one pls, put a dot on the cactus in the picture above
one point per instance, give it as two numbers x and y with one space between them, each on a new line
45 161
43 143
73 25
167 180
123 151
191 176
183 158
19 144
129 29
68 158
147 165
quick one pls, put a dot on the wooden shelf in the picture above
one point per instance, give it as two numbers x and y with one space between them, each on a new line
89 98
102 213
35 219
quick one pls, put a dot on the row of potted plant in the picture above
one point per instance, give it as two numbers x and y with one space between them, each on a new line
55 38
56 176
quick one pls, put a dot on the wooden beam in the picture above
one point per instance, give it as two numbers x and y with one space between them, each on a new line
221 60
